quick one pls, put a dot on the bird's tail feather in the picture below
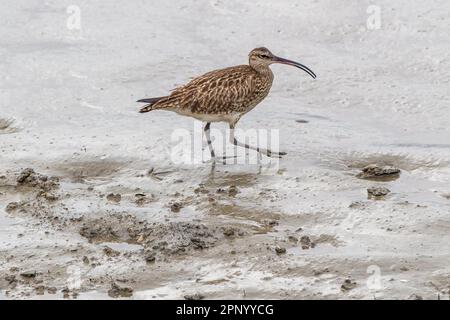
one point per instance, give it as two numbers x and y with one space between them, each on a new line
150 105
147 108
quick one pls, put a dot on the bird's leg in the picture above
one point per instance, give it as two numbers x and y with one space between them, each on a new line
208 139
259 163
267 152
210 146
213 168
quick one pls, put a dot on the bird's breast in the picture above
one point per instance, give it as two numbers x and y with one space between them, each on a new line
261 89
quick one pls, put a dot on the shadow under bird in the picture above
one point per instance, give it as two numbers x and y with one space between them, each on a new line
225 95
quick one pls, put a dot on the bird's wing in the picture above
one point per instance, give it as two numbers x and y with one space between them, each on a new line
219 91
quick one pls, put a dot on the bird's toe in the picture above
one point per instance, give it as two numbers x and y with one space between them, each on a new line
276 154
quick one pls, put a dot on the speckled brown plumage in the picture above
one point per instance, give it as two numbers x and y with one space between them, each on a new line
225 94
226 91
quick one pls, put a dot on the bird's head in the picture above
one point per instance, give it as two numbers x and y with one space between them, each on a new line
262 58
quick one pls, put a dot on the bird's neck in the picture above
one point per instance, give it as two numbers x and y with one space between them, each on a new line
263 70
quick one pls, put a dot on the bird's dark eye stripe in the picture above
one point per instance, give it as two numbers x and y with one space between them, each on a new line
265 56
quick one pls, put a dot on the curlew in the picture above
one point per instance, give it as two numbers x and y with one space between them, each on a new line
225 95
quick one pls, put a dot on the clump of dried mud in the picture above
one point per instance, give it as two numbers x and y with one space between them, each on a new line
15 278
377 172
29 178
377 192
36 189
157 239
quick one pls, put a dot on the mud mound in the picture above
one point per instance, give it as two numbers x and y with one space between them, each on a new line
112 228
157 239
29 178
376 172
41 191
177 237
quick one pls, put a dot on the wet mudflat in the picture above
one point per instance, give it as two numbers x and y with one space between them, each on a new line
93 203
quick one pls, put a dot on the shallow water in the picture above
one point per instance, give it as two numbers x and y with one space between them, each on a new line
74 115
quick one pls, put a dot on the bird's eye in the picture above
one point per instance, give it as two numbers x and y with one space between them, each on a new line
264 56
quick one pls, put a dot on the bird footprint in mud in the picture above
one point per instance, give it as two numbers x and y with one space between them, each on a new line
6 125
155 175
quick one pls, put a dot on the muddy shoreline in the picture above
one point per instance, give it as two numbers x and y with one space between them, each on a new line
108 210
114 249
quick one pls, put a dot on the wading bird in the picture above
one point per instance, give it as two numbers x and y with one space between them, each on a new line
225 95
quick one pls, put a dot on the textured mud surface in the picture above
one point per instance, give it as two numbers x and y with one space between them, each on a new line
94 202
76 242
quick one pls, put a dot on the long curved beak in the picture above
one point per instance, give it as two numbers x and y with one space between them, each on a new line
295 64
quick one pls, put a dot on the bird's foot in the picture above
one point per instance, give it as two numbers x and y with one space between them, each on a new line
272 154
221 159
227 157
224 158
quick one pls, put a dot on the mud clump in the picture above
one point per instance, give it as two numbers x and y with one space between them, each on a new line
110 252
377 192
280 250
28 177
348 285
176 207
228 231
380 173
141 199
12 206
175 238
306 243
233 191
201 189
357 205
149 256
28 274
157 239
49 196
31 279
69 294
52 290
40 290
118 291
26 174
39 183
114 197
11 280
104 230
